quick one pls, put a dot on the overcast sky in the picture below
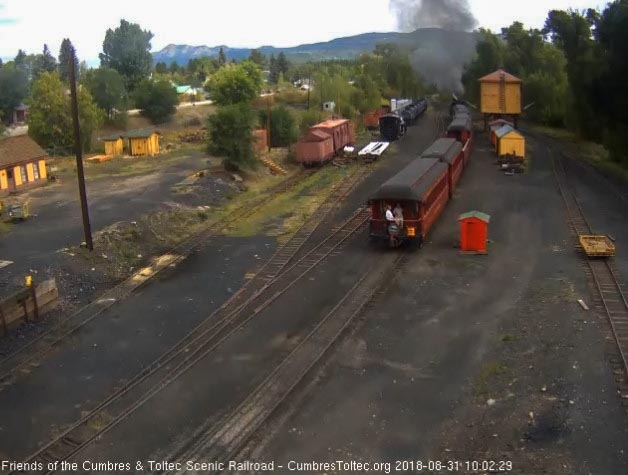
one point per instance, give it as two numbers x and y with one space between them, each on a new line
28 24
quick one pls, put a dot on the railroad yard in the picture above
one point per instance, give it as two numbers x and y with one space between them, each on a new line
329 347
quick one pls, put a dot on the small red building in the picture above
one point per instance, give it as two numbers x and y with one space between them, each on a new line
473 232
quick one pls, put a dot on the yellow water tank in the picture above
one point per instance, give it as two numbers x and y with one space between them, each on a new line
500 93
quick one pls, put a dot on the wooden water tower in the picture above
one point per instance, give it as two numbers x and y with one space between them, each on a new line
500 96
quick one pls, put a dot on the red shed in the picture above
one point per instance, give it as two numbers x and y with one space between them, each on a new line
473 232
316 147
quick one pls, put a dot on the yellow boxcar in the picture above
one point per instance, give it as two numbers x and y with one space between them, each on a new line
500 93
512 143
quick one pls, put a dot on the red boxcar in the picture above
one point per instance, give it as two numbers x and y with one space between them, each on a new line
422 190
317 147
341 131
449 151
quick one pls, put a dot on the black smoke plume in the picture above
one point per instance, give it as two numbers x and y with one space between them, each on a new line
439 62
447 14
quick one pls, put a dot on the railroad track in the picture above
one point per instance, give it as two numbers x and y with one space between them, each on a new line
27 356
201 341
223 440
602 272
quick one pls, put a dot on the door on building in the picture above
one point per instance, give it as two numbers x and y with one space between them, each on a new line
11 180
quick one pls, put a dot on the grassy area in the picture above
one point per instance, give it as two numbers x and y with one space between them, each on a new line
488 374
66 166
292 208
592 153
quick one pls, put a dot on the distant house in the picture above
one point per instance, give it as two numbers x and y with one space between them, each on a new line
22 164
189 90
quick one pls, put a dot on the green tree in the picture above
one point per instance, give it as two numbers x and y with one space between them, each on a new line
230 132
174 67
13 89
44 63
161 68
572 32
283 127
50 122
274 70
158 100
19 58
236 83
257 57
610 87
222 58
127 50
65 53
106 85
283 65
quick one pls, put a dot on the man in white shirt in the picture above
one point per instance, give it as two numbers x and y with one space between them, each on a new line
390 217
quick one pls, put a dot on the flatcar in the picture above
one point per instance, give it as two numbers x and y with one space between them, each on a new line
392 127
422 190
448 151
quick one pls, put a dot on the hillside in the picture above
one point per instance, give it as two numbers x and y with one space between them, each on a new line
438 54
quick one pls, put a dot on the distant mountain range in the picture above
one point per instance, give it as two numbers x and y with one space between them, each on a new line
340 48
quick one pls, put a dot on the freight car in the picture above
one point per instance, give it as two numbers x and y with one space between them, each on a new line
392 127
315 149
422 190
448 151
324 140
341 131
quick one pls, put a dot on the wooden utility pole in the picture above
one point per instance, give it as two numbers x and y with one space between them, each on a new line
78 145
268 121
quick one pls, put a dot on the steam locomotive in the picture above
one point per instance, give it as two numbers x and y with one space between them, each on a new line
394 125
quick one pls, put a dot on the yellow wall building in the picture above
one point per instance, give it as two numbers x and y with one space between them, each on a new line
511 143
143 142
22 164
114 145
500 93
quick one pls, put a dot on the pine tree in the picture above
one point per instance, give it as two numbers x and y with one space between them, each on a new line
282 64
65 53
44 63
274 71
222 58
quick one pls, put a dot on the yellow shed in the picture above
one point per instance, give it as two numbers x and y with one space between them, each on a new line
143 142
114 145
500 93
511 143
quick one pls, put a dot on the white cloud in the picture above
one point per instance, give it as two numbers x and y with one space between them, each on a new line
247 23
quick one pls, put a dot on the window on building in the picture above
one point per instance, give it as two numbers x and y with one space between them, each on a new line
36 171
23 172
